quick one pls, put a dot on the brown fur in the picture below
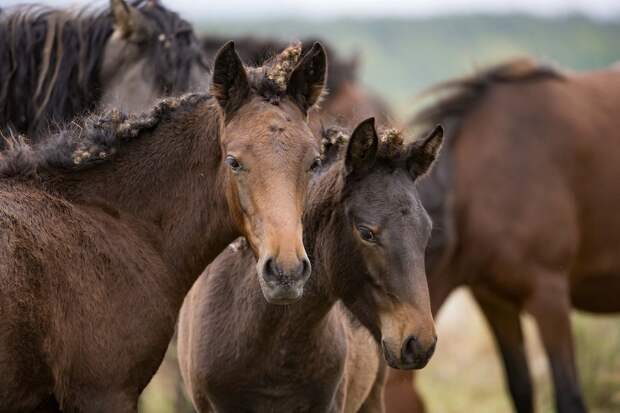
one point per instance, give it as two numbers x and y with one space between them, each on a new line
238 353
106 225
539 234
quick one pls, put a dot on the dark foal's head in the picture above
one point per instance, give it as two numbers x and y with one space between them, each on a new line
387 230
270 153
152 52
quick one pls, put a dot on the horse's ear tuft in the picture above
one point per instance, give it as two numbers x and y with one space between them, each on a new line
307 82
362 149
229 84
424 152
128 21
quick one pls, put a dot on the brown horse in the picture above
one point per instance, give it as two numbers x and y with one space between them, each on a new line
540 233
56 64
348 102
367 231
106 225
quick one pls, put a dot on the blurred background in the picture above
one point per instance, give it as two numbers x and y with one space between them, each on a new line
402 47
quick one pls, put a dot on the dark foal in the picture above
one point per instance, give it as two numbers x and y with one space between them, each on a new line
366 230
58 64
106 225
541 233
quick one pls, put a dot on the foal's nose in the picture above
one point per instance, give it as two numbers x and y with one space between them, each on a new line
284 284
414 354
275 272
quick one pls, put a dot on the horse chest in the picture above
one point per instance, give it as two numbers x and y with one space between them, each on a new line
280 378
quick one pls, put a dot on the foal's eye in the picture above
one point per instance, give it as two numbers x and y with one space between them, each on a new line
366 234
316 164
233 163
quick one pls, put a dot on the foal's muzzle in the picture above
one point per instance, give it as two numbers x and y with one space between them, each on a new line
283 284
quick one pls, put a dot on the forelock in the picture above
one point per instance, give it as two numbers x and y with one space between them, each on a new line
391 144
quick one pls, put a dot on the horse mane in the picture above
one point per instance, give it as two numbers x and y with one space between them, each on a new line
50 61
87 142
456 97
259 51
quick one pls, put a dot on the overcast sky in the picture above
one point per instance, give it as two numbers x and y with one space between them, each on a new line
198 9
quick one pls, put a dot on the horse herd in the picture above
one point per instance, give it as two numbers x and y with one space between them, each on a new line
300 251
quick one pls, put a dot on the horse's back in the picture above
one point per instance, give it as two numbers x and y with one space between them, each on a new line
553 149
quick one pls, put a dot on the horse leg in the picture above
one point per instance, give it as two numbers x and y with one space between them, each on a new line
400 395
550 305
503 318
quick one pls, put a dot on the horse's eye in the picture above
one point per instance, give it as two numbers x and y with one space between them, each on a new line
366 234
233 163
316 164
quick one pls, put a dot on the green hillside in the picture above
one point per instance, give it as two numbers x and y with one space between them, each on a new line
400 57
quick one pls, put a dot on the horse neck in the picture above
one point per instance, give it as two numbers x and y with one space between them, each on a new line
169 181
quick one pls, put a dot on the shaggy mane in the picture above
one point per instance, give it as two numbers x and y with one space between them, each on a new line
87 142
458 96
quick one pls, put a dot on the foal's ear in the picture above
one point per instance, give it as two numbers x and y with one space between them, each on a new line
423 153
363 146
306 83
128 20
229 84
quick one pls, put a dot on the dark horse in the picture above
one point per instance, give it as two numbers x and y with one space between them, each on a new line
348 102
56 64
541 233
366 230
106 225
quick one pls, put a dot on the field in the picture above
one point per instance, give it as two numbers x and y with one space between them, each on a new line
399 58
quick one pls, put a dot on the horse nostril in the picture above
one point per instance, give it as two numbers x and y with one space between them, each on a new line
270 270
304 268
411 348
431 350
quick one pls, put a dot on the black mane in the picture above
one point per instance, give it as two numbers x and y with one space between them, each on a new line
50 61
